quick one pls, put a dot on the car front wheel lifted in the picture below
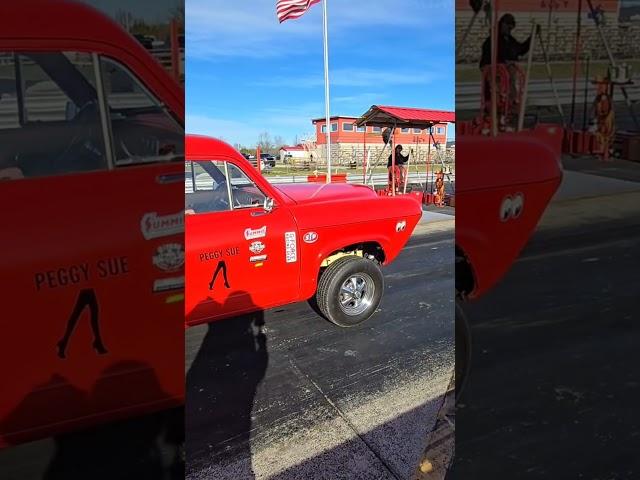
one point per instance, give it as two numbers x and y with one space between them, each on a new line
350 290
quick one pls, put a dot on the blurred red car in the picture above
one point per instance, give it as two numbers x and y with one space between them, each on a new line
92 135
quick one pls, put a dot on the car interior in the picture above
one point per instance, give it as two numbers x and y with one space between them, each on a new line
58 128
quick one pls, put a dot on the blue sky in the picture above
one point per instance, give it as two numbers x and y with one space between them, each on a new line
246 73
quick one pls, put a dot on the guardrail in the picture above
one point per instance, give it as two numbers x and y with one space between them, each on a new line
541 93
378 179
163 55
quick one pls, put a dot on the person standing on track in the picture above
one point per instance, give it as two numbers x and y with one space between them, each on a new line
401 162
509 52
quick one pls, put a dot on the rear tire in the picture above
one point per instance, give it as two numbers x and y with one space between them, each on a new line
349 291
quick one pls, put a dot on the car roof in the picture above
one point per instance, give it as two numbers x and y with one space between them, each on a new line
201 147
59 19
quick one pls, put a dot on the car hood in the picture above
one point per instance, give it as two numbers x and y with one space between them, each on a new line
322 192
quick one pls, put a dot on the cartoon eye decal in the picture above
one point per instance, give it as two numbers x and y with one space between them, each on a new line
517 205
506 209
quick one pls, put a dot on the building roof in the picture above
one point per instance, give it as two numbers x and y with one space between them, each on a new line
333 117
388 116
292 149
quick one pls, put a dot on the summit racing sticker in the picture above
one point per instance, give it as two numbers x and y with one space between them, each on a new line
153 225
251 234
169 257
291 249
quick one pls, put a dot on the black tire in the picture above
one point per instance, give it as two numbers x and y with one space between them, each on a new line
463 349
328 296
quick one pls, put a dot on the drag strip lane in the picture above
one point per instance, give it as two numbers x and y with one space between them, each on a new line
319 401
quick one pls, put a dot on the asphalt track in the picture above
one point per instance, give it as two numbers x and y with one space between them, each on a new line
311 400
554 388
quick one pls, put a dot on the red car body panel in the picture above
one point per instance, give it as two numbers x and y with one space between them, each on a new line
337 215
489 171
74 231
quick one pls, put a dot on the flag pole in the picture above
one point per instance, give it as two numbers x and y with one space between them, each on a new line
325 38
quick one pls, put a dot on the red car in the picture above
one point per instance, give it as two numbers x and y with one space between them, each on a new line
251 245
504 186
91 169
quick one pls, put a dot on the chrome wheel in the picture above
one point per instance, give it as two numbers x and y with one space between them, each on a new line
356 294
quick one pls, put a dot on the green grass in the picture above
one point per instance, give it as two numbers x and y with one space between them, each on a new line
559 70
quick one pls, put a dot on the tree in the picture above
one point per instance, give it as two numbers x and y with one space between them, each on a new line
264 141
278 142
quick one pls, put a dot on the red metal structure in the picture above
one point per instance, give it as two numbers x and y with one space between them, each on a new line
397 118
284 244
92 216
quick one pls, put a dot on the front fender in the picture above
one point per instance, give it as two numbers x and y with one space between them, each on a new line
330 240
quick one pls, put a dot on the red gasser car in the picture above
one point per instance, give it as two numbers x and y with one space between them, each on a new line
252 245
91 169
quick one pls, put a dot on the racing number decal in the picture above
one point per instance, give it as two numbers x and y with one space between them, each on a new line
86 298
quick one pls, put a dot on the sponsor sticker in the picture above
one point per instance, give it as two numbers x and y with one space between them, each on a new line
169 257
256 247
310 237
401 226
257 258
166 284
511 207
153 225
251 233
291 249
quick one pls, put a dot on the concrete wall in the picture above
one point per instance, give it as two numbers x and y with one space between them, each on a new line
345 154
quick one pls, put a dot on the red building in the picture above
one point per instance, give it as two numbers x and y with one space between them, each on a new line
344 131
351 142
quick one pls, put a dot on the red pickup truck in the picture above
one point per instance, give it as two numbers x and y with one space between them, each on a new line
92 172
253 245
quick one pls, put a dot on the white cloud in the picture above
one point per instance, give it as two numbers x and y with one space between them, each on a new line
219 28
230 130
351 77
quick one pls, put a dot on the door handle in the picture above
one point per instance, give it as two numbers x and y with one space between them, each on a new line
170 178
258 213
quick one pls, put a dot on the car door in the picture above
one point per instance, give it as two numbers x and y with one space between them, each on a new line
91 322
239 256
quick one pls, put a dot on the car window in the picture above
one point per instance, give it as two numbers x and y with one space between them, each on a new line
143 130
49 115
217 186
244 191
206 187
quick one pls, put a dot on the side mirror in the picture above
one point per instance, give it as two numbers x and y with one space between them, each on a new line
269 204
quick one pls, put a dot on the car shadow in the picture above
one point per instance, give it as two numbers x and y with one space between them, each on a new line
222 381
142 447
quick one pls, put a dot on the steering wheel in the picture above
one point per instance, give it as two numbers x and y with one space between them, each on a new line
83 151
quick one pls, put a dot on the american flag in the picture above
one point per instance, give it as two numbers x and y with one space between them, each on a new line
286 9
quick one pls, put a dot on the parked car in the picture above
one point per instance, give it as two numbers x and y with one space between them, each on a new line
92 216
145 41
320 242
268 160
